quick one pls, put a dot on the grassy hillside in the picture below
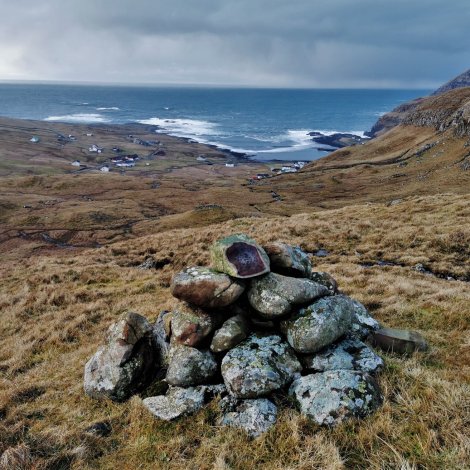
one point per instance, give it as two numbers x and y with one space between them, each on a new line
55 310
385 212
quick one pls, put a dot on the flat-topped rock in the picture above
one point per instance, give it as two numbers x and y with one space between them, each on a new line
126 363
274 295
331 397
232 332
181 401
255 416
348 354
258 366
320 324
288 260
190 366
205 287
399 341
239 256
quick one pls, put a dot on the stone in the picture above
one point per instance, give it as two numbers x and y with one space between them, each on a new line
255 416
101 428
326 280
274 295
190 366
239 256
161 334
320 324
329 398
233 331
288 260
399 341
258 366
206 288
349 354
191 326
363 323
126 363
182 401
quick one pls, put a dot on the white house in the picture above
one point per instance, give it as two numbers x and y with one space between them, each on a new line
230 165
35 139
76 163
104 169
94 148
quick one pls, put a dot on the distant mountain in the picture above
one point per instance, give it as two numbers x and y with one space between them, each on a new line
461 81
400 114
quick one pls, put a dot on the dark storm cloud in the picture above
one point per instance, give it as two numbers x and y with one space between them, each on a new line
255 42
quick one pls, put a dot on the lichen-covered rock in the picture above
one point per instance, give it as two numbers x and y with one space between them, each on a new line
233 331
255 416
181 401
275 295
258 366
126 363
239 256
349 354
399 341
206 288
363 324
320 324
161 334
191 326
288 260
326 280
190 366
333 396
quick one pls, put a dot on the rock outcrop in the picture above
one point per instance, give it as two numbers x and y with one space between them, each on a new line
281 334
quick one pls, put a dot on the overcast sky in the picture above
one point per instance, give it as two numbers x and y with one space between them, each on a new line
298 43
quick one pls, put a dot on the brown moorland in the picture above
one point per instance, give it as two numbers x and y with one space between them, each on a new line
56 300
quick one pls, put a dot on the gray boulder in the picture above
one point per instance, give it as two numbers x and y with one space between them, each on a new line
333 396
206 288
191 326
254 416
190 366
349 354
258 366
399 341
126 363
181 401
363 324
275 295
288 260
239 256
326 280
232 332
161 334
320 324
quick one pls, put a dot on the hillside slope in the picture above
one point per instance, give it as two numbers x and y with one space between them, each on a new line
462 80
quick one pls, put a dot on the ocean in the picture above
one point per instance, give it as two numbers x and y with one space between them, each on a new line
269 124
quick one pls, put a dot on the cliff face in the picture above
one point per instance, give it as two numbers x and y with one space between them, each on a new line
463 80
450 110
406 113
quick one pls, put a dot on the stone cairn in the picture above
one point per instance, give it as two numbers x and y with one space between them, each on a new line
258 324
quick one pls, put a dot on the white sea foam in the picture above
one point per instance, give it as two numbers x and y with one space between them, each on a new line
112 108
192 128
80 117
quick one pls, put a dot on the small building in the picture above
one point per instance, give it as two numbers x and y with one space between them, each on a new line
104 169
35 139
95 149
230 165
76 163
89 135
261 176
72 137
201 158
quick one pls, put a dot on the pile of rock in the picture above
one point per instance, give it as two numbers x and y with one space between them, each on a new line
258 324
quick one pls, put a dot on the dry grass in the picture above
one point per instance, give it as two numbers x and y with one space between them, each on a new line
55 309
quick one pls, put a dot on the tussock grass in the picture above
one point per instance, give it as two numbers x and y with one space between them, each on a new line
56 308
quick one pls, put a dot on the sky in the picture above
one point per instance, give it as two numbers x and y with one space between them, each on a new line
267 43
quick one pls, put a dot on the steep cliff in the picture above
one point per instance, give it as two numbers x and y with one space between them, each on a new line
463 80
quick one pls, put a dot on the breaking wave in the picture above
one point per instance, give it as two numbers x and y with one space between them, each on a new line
80 117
